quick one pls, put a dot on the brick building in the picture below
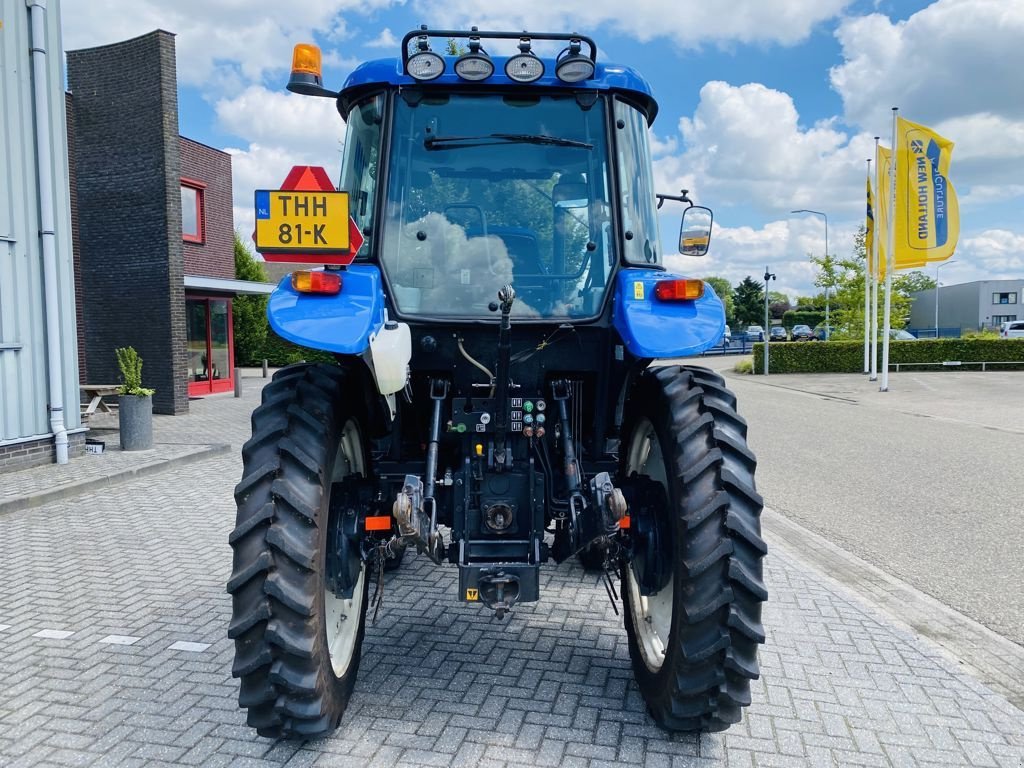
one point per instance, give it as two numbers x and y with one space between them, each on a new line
153 226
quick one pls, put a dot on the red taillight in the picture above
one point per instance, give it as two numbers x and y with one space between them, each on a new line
679 290
314 281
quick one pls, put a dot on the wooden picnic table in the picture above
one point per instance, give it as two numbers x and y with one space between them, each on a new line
96 393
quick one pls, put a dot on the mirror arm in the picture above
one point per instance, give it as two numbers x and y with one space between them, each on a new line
681 198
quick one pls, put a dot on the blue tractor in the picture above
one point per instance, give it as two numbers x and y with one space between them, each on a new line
496 310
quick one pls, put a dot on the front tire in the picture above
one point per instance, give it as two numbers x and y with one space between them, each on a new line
297 644
693 639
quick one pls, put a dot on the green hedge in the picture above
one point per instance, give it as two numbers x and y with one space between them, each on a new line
848 356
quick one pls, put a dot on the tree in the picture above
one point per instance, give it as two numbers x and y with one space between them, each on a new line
913 282
724 291
454 48
848 286
778 304
748 300
810 303
249 312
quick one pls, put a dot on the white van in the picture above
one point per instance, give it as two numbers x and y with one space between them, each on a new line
1012 329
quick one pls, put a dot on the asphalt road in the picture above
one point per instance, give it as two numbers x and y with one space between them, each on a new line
925 481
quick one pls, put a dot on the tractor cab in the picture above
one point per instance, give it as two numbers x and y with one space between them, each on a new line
468 172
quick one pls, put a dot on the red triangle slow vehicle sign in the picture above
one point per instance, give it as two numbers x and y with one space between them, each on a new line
307 220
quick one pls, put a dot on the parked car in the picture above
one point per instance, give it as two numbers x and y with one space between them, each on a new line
778 333
755 333
801 333
821 335
898 334
1013 329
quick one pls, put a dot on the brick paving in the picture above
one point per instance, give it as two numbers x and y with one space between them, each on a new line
113 652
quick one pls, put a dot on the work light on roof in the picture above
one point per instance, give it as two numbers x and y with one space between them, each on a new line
524 67
572 66
425 64
474 64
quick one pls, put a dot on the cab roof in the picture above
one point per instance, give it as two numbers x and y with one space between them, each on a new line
389 72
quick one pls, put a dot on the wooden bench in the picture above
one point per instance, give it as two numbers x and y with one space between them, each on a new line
95 393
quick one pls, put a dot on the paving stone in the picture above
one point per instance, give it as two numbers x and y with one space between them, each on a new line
441 683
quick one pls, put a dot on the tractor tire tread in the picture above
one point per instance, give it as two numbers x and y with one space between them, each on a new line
718 513
278 653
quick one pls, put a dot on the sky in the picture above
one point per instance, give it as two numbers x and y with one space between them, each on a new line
766 106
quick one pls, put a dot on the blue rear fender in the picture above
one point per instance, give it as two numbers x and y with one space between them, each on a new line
342 323
653 328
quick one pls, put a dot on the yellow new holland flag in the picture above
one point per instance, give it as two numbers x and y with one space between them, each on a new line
881 211
927 214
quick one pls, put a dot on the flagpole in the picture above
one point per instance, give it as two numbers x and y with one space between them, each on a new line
867 293
874 280
889 260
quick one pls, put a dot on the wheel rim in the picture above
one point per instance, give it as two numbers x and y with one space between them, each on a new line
652 615
342 617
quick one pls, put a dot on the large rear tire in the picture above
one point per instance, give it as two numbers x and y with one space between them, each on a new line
693 641
297 644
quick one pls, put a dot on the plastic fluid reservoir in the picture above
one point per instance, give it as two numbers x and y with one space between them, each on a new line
391 350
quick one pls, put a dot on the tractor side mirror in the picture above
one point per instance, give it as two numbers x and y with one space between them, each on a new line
695 231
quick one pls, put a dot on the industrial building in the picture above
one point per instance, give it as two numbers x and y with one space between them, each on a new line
969 306
39 386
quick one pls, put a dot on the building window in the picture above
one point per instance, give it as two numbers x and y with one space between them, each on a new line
1004 298
998 320
193 225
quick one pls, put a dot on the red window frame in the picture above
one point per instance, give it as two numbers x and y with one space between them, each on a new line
200 190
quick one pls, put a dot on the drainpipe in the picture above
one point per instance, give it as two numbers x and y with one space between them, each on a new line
44 170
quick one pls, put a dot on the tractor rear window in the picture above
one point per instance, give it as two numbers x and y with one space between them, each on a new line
486 190
639 214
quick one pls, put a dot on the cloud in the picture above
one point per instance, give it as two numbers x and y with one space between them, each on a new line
278 130
999 253
745 145
783 245
250 38
939 66
386 39
689 25
940 63
279 118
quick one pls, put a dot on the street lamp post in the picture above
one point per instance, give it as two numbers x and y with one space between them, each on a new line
828 326
940 264
767 323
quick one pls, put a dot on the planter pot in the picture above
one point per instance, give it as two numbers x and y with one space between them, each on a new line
135 415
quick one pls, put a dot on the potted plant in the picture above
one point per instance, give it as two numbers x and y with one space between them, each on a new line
135 414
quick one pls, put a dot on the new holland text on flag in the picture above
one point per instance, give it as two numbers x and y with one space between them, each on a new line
928 216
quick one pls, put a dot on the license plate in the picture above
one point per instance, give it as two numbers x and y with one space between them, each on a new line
298 221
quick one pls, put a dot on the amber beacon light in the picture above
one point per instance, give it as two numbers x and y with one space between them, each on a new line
307 75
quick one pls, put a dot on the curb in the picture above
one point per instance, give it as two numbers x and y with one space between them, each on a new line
990 658
70 490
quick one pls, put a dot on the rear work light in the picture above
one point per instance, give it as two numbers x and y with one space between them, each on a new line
679 290
424 64
475 64
524 67
315 281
